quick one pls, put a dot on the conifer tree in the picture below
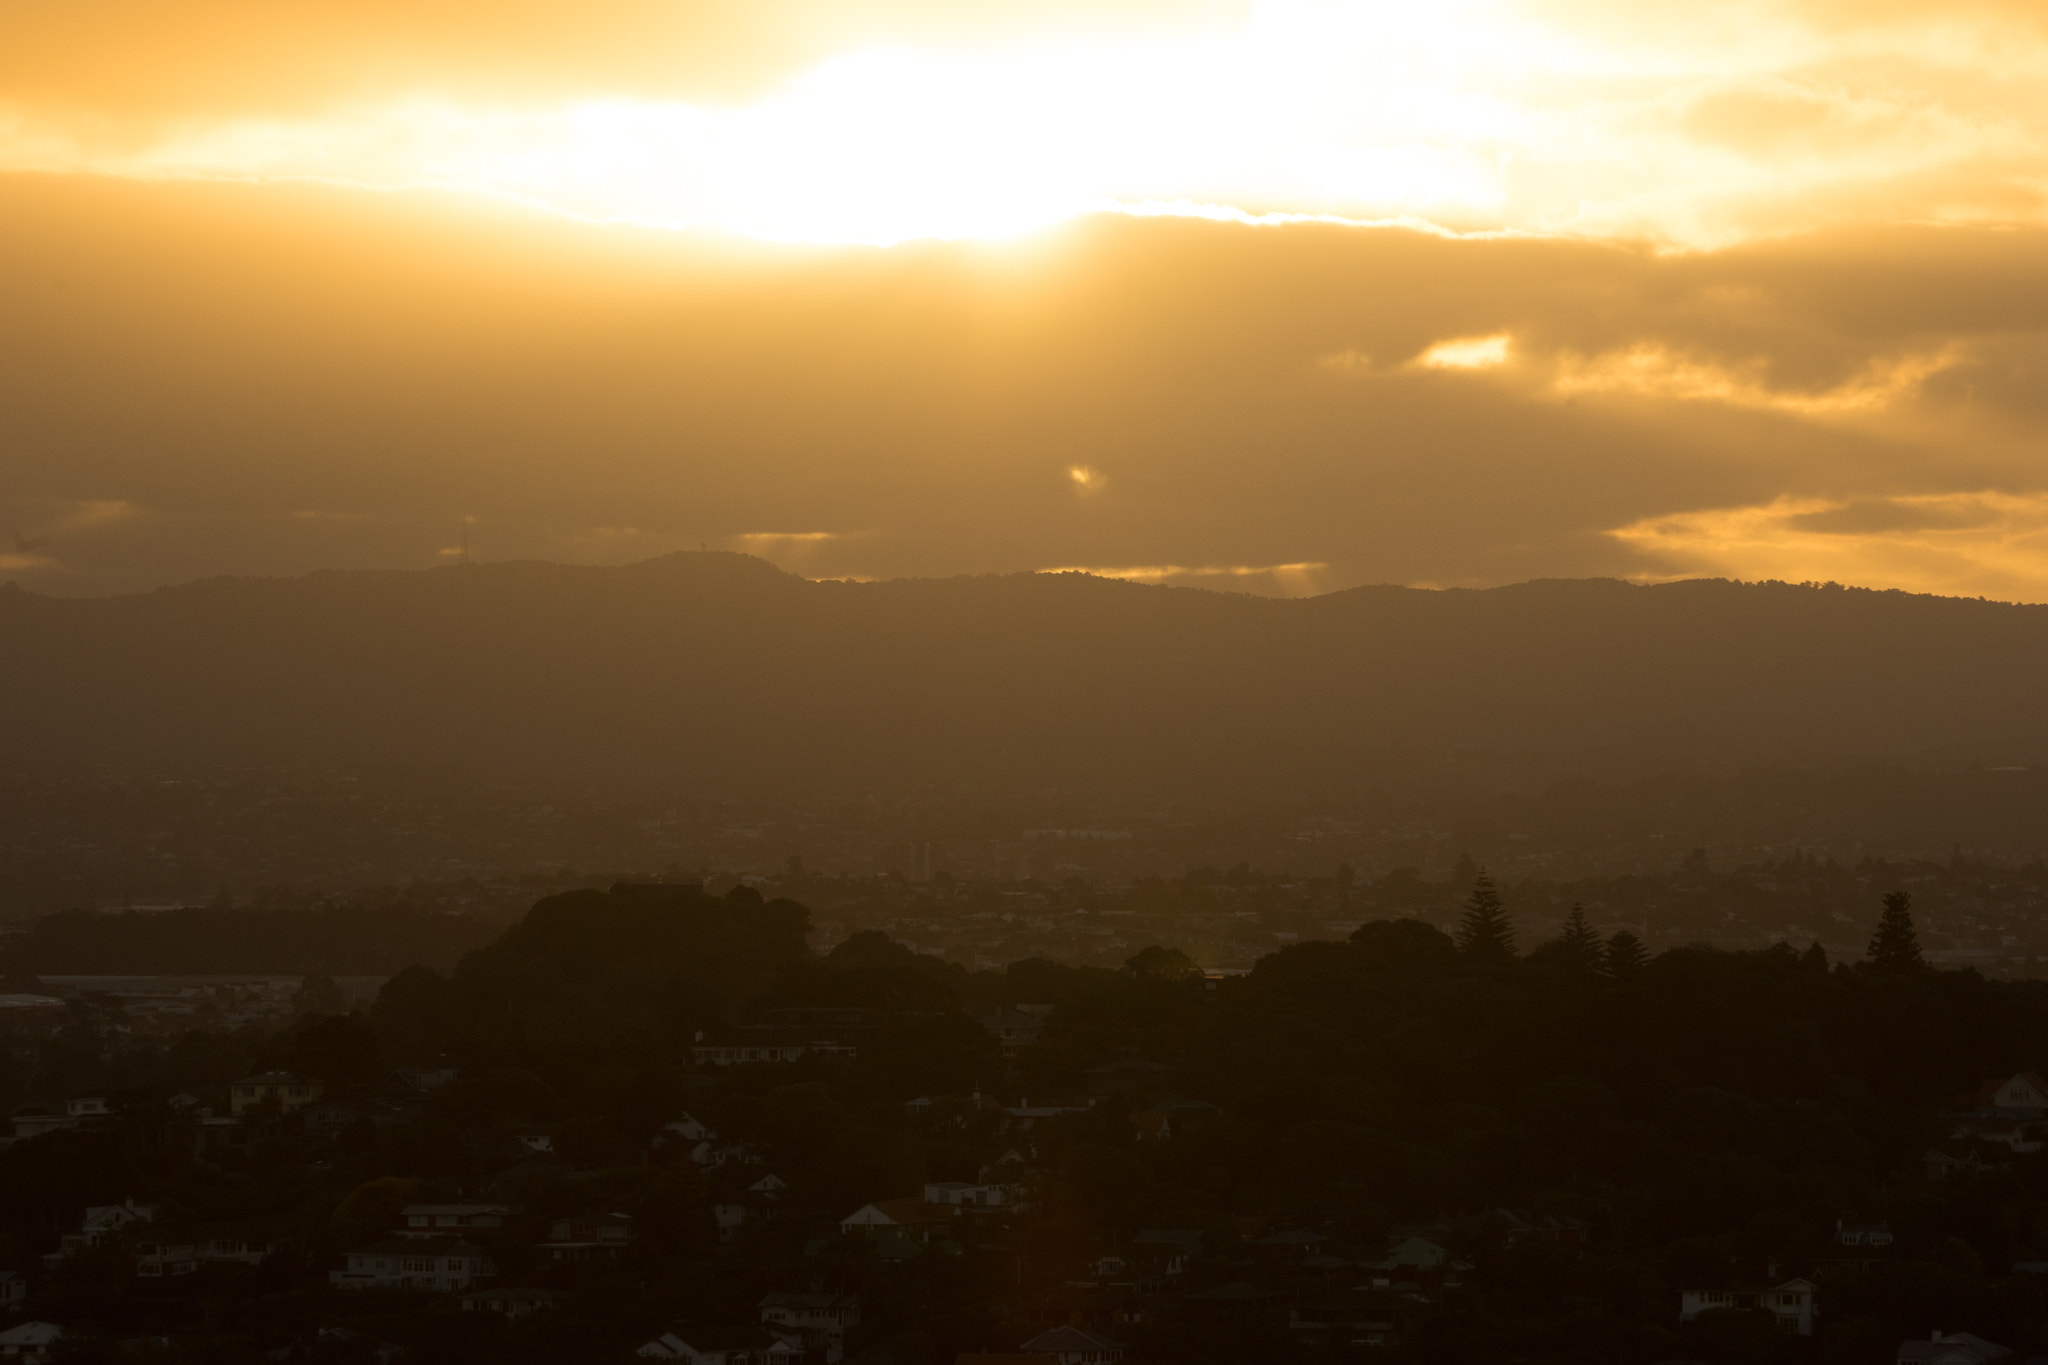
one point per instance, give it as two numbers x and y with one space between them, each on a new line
1486 934
1895 947
1625 958
1580 945
1815 958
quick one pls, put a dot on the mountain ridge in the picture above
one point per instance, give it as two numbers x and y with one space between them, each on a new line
720 669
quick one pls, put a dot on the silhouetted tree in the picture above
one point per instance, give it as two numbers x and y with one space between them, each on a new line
1815 958
1578 945
1895 947
1625 957
318 994
1405 945
1161 964
1486 934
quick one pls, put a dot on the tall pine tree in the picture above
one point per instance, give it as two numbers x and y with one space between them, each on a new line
1895 947
1486 934
1625 958
1578 945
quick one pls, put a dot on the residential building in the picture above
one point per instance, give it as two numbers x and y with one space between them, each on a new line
1951 1348
100 1223
914 1217
400 1264
2024 1096
1072 1346
757 1044
13 1290
745 1345
450 1220
962 1194
31 1343
689 1129
1015 1029
588 1237
815 1322
1943 1163
162 1254
1418 1258
290 1093
1791 1303
182 1251
1365 1319
510 1303
37 1118
1162 1253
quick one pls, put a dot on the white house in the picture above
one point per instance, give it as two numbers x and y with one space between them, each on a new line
748 1345
962 1194
2025 1096
35 1119
689 1129
1072 1346
813 1322
441 1266
30 1342
161 1254
101 1221
13 1289
913 1216
1791 1303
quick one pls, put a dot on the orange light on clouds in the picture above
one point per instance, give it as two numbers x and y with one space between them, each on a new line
1969 543
1474 114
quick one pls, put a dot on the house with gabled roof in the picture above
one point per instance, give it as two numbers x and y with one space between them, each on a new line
413 1264
815 1322
1791 1303
1071 1346
915 1217
30 1343
745 1344
2023 1096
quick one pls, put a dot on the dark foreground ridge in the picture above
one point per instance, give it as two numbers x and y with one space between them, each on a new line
720 668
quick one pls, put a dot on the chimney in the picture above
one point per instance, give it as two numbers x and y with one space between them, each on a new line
1935 1335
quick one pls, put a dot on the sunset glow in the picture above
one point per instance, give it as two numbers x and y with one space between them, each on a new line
1482 114
1276 296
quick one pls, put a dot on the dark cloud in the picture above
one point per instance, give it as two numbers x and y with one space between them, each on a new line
277 379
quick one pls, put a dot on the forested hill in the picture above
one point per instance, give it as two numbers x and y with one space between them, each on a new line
720 669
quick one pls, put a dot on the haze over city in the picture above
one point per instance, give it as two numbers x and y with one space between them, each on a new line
1150 682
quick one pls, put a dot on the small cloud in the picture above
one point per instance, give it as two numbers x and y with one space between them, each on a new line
1087 478
1654 370
767 538
1345 362
1295 578
1467 353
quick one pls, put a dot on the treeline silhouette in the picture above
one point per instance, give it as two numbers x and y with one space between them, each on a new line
1707 1116
363 940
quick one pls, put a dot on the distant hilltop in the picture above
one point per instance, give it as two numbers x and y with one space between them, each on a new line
720 671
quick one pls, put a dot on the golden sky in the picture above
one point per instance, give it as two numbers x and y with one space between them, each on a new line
1277 297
